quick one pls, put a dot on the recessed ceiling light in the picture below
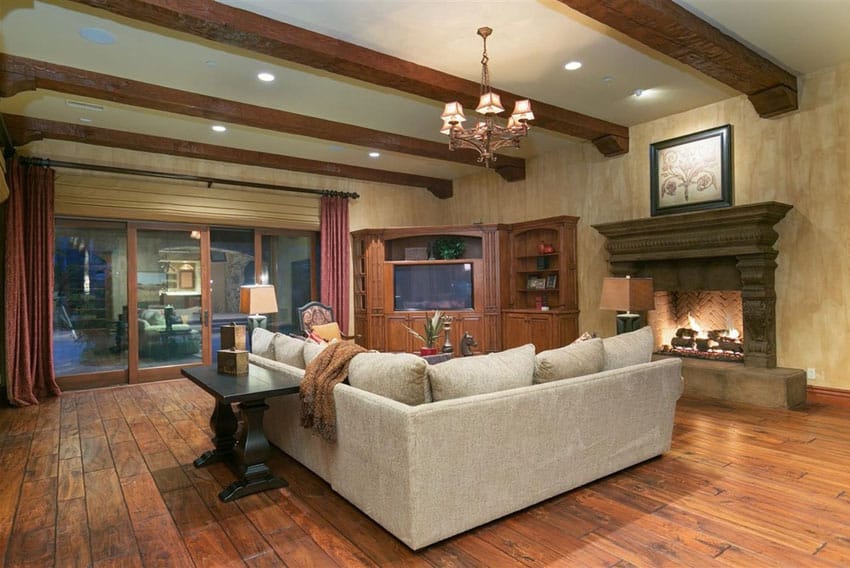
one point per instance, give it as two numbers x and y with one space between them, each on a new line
219 128
97 35
265 77
84 119
641 92
210 63
374 154
607 79
573 65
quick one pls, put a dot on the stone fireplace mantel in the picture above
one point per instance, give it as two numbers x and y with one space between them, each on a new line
717 249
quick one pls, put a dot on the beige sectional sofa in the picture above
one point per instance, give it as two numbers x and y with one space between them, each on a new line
453 457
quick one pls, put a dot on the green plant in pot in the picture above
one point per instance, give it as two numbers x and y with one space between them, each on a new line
448 248
431 332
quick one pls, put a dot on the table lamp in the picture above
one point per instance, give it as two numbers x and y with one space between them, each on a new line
255 300
627 295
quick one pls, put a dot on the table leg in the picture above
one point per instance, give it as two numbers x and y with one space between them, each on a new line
252 450
223 424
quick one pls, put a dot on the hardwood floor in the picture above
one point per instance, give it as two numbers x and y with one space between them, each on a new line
105 478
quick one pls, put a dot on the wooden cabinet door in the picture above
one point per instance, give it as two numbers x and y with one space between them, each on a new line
514 330
474 325
398 337
540 331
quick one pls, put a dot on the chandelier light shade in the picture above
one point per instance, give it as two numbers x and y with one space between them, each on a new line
487 135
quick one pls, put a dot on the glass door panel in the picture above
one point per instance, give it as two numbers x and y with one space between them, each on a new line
288 264
231 266
90 298
169 297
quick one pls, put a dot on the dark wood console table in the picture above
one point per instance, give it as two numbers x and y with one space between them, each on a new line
247 454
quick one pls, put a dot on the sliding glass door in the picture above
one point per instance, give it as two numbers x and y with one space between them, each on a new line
170 297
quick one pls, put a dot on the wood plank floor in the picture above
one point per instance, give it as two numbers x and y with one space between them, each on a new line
105 478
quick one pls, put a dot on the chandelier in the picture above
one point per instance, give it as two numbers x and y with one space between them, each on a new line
487 135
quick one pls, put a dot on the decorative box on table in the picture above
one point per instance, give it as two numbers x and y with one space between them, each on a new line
233 336
233 362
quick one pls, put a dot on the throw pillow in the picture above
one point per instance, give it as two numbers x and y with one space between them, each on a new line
400 376
311 350
327 331
289 350
153 317
262 343
574 360
632 348
466 376
587 335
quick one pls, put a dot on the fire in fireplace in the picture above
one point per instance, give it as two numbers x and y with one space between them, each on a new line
700 324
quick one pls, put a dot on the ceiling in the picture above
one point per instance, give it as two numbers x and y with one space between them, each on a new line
372 75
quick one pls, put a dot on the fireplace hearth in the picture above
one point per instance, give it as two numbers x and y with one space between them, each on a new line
722 261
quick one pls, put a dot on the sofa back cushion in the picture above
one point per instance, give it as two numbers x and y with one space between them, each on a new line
630 348
574 360
400 376
467 376
289 350
311 350
262 343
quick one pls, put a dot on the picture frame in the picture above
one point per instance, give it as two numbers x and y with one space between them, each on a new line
551 281
691 172
536 283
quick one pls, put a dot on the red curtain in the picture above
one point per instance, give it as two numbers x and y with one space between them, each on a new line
335 257
29 285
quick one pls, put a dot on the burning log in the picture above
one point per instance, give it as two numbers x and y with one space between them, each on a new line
686 332
679 341
731 345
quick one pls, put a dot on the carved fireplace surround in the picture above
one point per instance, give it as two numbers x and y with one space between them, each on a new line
719 249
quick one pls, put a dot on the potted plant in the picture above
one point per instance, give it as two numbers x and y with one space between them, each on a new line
433 327
448 248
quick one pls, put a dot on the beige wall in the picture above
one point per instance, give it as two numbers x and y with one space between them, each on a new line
802 159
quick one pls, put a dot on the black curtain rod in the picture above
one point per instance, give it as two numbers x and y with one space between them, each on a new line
184 177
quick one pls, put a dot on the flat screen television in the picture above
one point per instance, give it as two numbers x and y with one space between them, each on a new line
421 287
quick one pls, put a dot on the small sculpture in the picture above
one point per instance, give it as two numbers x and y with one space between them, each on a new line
467 342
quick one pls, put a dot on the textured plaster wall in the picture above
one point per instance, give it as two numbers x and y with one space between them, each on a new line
802 158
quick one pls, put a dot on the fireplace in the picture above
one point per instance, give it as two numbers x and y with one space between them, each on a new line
718 267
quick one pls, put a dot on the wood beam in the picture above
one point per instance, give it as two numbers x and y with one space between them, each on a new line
19 74
25 129
673 31
259 34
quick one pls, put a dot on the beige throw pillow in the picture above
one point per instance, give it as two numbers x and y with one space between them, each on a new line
262 343
466 376
574 360
399 376
632 348
311 350
289 350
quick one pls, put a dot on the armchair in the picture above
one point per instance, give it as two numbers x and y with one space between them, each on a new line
318 318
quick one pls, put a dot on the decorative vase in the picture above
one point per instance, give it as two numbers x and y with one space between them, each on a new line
541 247
427 351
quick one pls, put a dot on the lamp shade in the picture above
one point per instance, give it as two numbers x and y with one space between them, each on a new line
257 299
627 294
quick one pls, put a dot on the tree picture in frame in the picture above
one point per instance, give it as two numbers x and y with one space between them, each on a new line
691 172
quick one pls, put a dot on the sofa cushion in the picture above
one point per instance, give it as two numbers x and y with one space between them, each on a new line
574 360
153 317
402 377
262 343
630 348
289 350
311 349
466 376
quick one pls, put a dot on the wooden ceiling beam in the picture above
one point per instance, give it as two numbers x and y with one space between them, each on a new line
25 129
259 34
19 74
671 30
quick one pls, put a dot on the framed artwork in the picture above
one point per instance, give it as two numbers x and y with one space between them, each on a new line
691 172
551 281
536 283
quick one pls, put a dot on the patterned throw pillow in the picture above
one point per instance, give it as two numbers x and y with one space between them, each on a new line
466 376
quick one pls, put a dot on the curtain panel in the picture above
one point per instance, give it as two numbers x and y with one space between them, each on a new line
335 257
29 284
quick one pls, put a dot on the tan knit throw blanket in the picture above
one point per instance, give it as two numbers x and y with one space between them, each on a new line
316 391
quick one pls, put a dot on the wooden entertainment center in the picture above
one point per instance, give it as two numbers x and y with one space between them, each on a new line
513 284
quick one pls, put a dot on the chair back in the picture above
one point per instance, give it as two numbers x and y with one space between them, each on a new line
314 313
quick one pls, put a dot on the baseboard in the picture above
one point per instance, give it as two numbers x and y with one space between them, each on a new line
827 395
